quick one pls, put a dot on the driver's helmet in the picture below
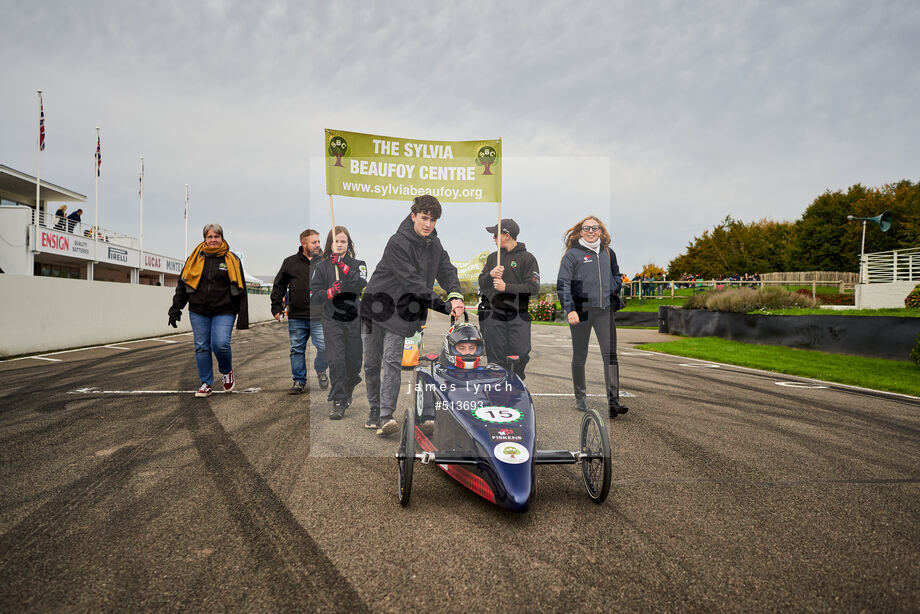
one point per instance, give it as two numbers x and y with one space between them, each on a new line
464 331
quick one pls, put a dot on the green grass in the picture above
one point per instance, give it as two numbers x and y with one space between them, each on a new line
875 373
898 312
651 304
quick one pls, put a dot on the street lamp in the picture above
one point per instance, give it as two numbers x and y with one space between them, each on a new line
884 223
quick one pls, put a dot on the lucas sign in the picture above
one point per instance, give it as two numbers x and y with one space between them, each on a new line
372 166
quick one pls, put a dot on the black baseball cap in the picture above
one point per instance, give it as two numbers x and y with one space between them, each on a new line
508 225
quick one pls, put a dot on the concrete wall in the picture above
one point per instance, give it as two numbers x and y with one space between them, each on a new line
44 314
880 296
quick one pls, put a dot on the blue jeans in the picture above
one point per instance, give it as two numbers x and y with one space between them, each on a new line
300 330
212 334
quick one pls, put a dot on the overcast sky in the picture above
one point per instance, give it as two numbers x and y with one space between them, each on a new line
661 118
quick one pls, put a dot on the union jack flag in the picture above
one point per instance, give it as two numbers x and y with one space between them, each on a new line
98 157
41 124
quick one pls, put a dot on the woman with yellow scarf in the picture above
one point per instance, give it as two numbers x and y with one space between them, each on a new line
213 286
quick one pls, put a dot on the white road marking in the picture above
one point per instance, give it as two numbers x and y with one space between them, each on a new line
799 385
623 393
698 364
94 390
116 347
39 358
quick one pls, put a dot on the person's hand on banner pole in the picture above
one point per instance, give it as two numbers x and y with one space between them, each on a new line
337 261
334 289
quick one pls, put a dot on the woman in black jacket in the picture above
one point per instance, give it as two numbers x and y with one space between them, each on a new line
336 284
589 289
213 286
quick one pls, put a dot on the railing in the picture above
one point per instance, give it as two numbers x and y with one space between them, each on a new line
888 267
82 229
660 289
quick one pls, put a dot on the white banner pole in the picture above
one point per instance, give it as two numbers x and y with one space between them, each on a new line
332 217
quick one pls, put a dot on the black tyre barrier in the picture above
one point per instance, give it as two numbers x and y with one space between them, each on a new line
637 318
876 336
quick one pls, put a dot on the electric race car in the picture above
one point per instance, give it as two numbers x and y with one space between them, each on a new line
477 424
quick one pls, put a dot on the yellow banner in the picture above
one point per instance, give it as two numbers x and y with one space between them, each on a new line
470 269
372 166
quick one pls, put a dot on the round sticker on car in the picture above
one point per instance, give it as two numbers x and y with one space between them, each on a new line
511 453
494 414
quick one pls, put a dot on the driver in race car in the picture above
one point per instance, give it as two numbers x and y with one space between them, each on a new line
462 348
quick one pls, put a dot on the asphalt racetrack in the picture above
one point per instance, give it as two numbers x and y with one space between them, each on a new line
733 490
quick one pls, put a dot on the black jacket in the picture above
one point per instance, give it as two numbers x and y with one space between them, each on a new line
295 274
344 306
399 293
215 295
587 279
521 277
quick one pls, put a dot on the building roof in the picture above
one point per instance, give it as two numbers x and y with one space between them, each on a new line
20 187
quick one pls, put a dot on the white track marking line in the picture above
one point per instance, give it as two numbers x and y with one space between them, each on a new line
800 377
94 390
623 393
115 347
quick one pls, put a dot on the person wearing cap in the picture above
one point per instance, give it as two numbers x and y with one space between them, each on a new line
505 288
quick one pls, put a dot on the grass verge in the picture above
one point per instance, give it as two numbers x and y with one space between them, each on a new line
896 311
874 373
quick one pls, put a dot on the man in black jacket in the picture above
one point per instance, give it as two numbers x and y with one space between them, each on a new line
396 303
504 318
304 319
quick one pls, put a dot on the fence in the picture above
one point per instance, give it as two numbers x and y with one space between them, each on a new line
661 289
888 267
82 229
806 277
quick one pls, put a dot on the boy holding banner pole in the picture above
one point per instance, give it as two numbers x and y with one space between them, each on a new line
504 318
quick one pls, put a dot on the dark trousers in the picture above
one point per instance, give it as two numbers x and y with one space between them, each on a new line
605 328
506 337
344 354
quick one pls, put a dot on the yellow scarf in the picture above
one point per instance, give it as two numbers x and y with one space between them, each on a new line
194 266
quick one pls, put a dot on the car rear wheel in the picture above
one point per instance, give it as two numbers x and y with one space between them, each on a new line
595 464
405 456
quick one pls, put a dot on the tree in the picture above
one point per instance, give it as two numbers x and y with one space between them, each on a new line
652 270
337 147
486 157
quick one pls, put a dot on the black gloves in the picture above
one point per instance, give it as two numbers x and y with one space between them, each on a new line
174 316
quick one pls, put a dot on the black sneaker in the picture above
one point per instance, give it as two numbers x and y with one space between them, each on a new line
581 405
297 388
373 419
388 426
617 408
338 411
323 379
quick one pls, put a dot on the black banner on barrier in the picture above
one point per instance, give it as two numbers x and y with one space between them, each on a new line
876 336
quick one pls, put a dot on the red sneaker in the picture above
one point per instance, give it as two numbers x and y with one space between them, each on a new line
229 382
203 391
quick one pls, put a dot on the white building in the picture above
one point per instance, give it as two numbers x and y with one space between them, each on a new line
36 242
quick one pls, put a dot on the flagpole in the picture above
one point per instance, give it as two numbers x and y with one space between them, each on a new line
332 216
140 247
186 220
96 168
38 164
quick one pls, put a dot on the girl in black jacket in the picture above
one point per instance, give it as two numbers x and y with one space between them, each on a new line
589 289
336 285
